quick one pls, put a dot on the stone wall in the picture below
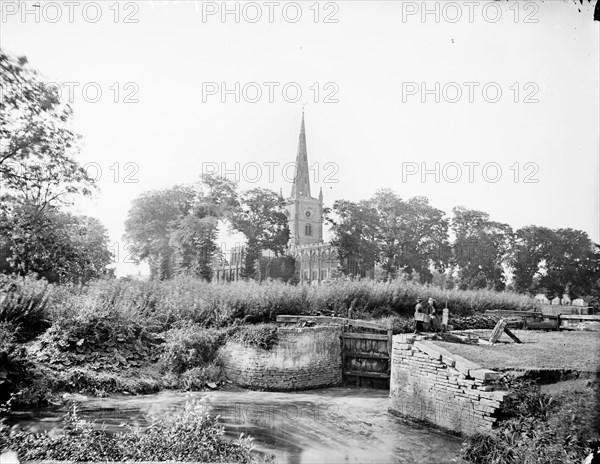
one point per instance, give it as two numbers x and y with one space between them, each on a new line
304 357
431 385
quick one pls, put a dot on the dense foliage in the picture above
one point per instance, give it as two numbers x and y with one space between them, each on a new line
24 303
411 238
175 230
539 428
39 174
189 435
110 334
260 335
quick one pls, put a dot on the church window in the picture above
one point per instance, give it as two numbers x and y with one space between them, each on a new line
308 229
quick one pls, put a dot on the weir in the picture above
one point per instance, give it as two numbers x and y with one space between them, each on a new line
426 383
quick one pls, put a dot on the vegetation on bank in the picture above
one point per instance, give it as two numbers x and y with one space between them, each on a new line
188 435
538 428
139 337
123 335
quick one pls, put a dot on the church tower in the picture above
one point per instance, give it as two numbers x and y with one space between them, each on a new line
304 213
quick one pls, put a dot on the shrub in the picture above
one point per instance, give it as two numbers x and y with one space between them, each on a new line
15 368
261 335
197 377
152 307
538 428
24 304
189 346
189 435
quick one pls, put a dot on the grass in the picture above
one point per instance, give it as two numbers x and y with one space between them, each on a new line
188 435
539 350
107 330
540 427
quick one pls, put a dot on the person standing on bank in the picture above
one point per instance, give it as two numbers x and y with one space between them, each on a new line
420 315
435 314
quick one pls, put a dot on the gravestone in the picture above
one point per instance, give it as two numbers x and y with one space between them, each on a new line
445 317
578 302
555 301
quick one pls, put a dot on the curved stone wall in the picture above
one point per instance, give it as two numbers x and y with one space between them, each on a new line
303 358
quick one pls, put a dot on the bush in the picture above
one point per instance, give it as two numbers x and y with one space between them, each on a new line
24 304
15 368
189 346
197 377
261 335
189 435
538 428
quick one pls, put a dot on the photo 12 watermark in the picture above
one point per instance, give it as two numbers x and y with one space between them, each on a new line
87 92
54 12
469 172
268 12
270 171
125 173
270 413
470 12
469 92
269 92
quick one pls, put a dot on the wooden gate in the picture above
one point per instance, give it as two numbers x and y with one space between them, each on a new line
366 348
366 354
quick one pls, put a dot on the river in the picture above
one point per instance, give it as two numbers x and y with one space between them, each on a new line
334 425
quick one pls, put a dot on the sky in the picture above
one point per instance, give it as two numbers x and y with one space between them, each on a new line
492 106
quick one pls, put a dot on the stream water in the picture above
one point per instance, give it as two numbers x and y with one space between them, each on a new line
334 425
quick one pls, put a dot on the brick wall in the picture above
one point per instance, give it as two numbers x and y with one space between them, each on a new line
432 385
306 357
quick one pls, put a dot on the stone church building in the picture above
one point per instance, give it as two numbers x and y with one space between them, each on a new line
308 258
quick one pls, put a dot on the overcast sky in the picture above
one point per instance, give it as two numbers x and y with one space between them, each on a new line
514 130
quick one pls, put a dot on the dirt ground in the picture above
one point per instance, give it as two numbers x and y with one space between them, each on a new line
573 350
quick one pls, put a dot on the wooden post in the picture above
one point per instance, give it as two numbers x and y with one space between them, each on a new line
508 332
343 342
497 332
390 333
445 317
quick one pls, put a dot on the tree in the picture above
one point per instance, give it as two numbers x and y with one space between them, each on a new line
530 248
261 218
151 221
572 264
354 232
59 246
38 173
412 235
554 261
176 229
401 236
481 248
36 143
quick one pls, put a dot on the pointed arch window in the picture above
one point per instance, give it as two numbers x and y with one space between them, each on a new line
308 230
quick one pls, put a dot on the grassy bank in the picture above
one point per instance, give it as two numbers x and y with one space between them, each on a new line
539 428
576 350
138 337
189 435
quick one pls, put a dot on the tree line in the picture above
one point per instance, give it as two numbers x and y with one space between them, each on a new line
469 250
175 230
39 178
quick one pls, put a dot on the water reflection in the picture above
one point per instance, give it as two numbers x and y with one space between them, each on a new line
331 425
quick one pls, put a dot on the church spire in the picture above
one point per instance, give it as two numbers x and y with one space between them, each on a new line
301 185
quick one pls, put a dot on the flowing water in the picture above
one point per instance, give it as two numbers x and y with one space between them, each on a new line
334 425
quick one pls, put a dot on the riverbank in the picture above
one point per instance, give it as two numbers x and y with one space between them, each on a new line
327 425
551 413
